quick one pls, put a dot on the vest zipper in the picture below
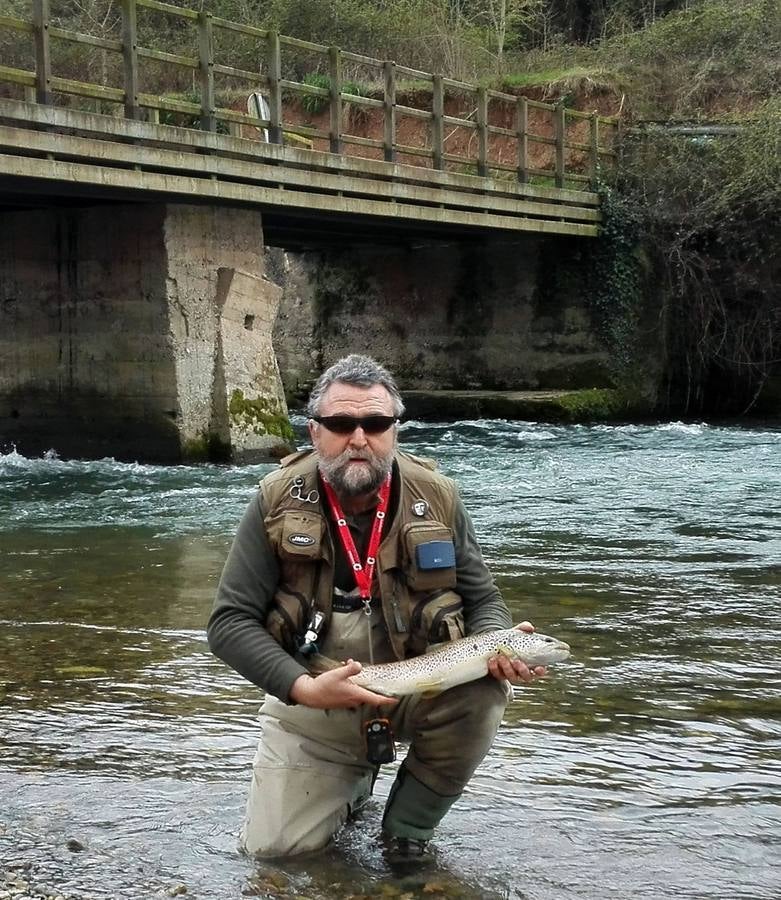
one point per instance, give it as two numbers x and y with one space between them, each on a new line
398 621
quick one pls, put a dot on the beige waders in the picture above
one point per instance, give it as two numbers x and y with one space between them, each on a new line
310 769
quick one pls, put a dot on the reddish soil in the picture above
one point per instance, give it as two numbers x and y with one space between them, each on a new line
413 132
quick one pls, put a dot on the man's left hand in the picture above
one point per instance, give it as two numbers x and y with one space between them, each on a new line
513 670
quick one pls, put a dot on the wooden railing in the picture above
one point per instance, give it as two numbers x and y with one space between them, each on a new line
465 128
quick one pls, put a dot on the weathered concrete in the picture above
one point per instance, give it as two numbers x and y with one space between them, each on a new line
249 409
492 314
110 333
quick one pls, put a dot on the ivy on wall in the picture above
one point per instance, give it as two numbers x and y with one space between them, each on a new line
614 281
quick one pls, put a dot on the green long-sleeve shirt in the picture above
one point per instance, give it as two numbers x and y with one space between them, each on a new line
236 631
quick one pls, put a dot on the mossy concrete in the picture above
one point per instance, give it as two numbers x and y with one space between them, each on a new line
589 405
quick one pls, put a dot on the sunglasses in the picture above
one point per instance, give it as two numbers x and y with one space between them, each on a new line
348 424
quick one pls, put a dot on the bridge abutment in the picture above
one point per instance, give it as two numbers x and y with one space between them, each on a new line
138 331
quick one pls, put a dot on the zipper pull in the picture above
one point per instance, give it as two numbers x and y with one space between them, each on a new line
398 621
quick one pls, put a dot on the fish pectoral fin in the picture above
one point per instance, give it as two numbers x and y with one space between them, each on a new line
429 689
317 664
504 650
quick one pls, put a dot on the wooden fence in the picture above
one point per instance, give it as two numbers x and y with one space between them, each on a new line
465 128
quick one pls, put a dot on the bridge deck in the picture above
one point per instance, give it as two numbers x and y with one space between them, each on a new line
55 154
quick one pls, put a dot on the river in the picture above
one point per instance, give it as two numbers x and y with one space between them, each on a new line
647 766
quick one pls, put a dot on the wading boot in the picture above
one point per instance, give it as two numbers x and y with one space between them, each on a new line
412 813
407 856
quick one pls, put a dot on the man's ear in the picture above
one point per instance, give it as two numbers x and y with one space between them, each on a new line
312 426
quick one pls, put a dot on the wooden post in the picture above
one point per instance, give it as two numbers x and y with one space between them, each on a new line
43 61
275 91
522 113
560 128
482 131
335 77
437 124
389 135
594 142
206 65
130 58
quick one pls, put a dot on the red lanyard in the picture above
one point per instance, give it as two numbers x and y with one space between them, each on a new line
363 572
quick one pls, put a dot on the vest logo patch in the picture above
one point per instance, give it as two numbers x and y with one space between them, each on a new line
301 540
419 508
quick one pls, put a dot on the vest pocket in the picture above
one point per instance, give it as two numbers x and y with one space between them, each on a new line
415 535
286 618
301 536
436 618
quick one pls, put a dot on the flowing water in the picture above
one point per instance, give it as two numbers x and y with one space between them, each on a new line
647 766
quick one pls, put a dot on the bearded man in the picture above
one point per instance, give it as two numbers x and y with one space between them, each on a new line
333 554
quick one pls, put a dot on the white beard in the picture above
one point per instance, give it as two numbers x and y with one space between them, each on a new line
355 479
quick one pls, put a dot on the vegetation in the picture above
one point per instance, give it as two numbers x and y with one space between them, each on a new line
312 104
259 415
707 208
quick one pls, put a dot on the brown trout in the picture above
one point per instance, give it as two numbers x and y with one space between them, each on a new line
457 662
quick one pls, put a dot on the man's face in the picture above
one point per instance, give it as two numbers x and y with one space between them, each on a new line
355 463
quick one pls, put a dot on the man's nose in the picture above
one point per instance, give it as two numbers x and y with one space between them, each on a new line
358 437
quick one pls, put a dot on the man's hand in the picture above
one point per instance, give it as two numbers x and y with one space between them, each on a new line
514 670
334 690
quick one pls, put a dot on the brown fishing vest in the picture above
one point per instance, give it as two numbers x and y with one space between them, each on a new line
419 604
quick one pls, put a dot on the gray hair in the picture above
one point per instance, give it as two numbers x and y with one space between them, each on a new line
359 370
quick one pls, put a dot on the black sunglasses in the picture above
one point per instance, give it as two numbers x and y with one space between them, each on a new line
348 424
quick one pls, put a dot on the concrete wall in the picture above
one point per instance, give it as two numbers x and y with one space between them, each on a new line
109 326
249 409
491 314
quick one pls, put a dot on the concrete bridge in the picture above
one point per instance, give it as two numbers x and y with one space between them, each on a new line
135 315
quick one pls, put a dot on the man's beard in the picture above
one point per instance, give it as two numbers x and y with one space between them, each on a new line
356 478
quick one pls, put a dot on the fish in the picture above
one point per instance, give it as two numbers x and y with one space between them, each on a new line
454 663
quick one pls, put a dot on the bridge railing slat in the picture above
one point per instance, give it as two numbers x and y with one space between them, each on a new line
77 37
17 76
239 28
180 11
175 59
14 24
84 89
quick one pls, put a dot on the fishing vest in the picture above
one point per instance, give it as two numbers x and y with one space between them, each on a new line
416 587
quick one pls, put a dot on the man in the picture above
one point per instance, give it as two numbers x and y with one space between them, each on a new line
361 552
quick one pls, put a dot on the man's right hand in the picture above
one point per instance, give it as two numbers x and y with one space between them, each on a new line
334 690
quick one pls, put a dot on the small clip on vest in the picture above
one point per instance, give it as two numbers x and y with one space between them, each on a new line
308 645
